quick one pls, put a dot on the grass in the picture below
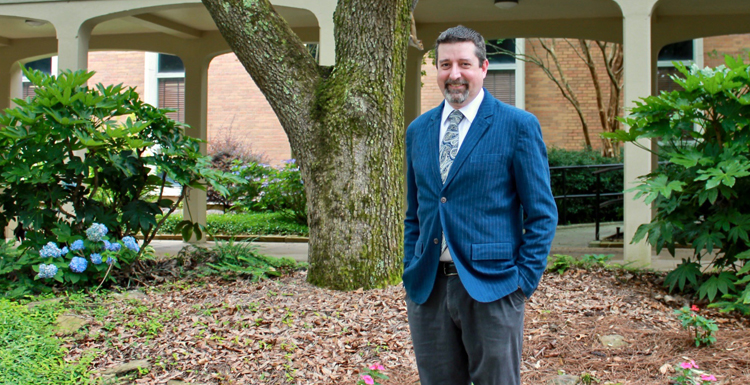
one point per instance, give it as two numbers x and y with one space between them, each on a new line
268 223
29 351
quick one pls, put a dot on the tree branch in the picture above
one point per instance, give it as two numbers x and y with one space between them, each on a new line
275 58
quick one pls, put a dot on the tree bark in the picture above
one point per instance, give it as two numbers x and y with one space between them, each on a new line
345 126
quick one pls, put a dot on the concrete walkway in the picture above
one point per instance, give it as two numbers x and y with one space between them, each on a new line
569 240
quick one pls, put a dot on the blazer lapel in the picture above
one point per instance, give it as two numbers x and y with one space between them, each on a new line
433 142
478 127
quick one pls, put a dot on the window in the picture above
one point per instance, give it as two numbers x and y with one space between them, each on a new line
505 76
170 79
46 65
684 52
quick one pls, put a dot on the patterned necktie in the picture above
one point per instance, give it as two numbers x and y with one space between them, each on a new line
449 150
449 145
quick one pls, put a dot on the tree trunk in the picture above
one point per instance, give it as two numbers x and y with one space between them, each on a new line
345 125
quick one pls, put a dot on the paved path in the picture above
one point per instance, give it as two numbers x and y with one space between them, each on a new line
570 240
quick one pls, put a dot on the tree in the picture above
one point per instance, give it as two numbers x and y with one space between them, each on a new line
609 56
345 125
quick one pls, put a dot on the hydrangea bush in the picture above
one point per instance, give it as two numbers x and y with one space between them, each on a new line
282 189
75 155
91 164
84 260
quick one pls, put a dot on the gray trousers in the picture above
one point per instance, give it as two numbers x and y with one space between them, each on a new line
458 340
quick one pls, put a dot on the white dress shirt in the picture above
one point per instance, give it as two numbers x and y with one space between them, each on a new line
470 112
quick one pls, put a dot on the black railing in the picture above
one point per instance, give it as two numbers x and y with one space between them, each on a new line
597 195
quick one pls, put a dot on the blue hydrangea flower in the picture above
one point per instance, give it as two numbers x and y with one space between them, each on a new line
96 232
47 271
113 246
111 260
130 243
78 264
64 250
50 250
77 245
96 258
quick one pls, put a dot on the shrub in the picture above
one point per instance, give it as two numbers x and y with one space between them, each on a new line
228 153
243 223
281 190
74 156
583 181
76 260
703 131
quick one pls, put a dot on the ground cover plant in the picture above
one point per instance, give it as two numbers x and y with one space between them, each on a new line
703 131
29 351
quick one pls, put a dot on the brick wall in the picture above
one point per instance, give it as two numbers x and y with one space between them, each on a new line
115 67
716 47
237 107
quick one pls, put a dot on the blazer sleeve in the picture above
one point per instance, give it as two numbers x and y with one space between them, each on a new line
411 222
532 178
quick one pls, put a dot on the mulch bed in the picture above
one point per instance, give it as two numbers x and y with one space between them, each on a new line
285 331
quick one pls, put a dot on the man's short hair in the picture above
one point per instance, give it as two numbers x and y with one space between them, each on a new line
460 34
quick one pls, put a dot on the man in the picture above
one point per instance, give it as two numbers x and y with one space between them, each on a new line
479 223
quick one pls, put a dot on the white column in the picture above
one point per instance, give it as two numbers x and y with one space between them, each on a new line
637 78
413 89
196 116
73 46
327 45
12 90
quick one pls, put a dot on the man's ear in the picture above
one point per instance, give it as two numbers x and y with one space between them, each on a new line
485 66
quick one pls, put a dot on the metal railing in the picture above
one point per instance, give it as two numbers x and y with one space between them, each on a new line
597 195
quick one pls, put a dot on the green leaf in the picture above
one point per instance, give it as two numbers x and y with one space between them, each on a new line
723 282
685 272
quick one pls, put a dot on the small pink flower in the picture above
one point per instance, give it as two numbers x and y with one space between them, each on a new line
367 379
694 308
689 365
708 377
377 367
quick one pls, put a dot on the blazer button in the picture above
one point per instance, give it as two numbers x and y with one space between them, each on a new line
443 200
436 241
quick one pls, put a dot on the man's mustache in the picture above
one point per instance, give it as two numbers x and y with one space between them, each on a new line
459 82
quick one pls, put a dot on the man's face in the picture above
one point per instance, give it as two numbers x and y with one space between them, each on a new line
460 74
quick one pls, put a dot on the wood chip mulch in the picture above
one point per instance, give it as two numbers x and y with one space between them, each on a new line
285 331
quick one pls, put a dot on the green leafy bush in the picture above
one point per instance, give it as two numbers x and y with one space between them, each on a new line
583 181
29 351
264 223
703 131
75 155
280 190
229 154
246 196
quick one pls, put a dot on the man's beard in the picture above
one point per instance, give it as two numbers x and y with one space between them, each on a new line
456 96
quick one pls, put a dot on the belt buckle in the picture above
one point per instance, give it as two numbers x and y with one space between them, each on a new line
445 271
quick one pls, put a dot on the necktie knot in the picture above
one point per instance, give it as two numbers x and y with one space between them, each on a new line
455 117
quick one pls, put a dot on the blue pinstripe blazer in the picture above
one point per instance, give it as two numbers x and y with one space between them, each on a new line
500 174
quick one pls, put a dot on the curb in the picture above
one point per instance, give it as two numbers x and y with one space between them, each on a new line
256 238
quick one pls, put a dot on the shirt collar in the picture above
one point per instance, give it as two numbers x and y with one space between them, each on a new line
469 111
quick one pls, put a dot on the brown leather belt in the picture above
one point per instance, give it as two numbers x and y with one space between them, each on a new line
447 269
